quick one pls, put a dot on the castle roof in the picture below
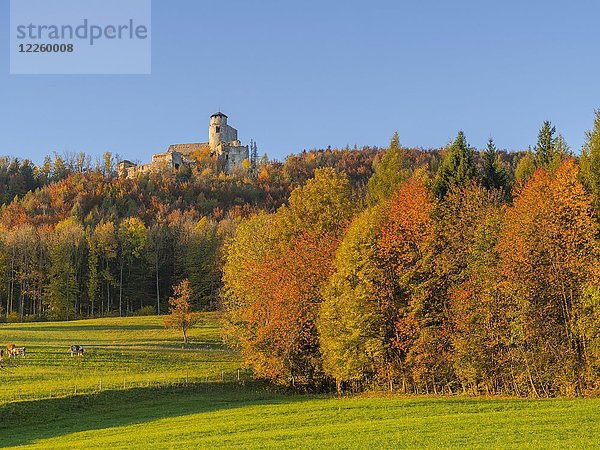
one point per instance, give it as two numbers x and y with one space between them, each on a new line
219 114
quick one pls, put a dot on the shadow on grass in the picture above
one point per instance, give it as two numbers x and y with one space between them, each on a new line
27 422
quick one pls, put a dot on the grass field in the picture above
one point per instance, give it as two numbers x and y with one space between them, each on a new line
249 415
132 351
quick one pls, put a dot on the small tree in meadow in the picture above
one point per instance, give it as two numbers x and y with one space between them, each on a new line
180 315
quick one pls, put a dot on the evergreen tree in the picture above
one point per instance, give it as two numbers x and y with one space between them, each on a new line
546 145
550 149
493 175
457 167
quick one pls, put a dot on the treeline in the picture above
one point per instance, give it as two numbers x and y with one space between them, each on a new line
18 177
69 270
78 241
471 273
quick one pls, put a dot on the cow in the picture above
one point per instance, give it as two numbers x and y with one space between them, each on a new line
17 351
76 350
1 355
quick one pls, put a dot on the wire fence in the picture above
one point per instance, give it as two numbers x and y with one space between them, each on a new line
102 385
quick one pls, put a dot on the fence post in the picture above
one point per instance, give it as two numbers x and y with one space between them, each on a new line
75 391
238 376
123 382
222 375
100 383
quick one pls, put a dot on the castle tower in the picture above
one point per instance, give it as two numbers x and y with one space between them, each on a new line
224 143
219 132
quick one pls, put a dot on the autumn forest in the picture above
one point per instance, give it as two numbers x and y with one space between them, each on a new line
415 270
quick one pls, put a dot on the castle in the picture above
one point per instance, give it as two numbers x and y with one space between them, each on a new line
222 143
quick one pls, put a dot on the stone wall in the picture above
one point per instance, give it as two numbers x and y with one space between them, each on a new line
223 143
188 149
237 155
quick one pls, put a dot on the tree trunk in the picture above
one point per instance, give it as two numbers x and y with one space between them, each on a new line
157 287
12 283
21 302
103 309
121 291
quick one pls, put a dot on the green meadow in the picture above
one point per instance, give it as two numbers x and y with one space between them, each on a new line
156 408
130 352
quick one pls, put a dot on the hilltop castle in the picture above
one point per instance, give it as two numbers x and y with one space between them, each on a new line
222 143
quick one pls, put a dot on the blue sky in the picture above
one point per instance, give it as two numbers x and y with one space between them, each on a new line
308 74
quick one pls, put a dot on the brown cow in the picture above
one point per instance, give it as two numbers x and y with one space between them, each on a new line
12 351
18 351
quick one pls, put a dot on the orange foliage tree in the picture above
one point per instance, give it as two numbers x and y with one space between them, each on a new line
283 344
180 315
470 224
413 313
549 251
276 266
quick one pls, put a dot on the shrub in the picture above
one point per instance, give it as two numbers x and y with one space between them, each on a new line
13 317
146 311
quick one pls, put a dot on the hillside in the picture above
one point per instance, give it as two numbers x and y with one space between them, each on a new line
78 241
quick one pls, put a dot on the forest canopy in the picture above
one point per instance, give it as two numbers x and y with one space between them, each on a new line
425 271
